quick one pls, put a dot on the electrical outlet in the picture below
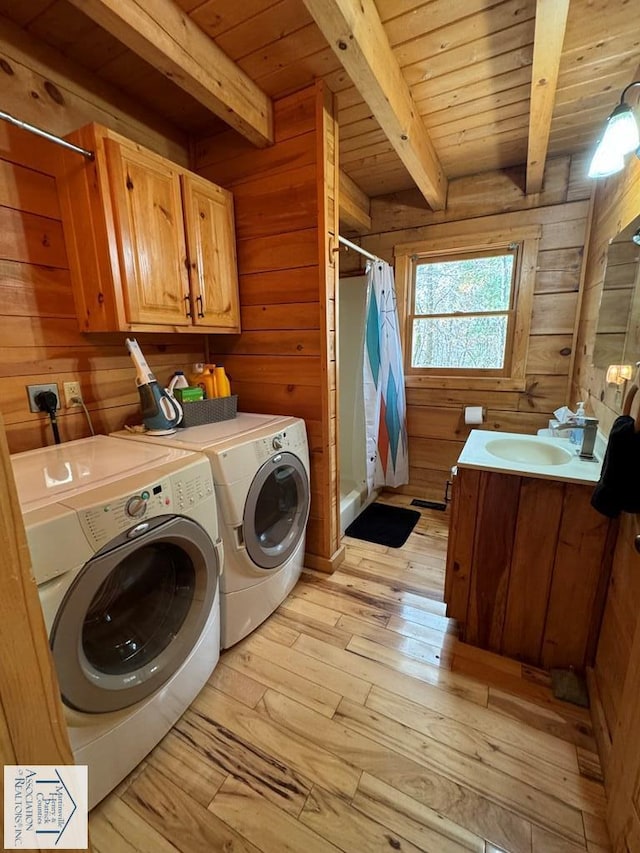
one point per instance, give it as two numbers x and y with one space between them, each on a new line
32 390
71 390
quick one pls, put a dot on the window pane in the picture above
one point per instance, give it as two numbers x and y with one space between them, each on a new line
463 342
475 284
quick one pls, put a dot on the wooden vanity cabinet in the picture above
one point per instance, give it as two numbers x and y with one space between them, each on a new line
151 245
528 564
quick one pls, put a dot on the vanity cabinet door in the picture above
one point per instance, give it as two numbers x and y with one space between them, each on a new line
528 562
462 525
147 206
211 245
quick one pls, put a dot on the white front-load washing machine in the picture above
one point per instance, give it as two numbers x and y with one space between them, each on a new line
261 472
125 551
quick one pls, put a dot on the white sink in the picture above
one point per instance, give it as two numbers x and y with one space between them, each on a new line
538 456
529 450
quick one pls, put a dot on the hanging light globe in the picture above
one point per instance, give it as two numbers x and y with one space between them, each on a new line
620 137
606 161
621 132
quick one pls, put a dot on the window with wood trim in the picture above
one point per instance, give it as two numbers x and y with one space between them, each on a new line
467 307
462 311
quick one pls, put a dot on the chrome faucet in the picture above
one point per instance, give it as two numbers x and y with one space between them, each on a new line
590 431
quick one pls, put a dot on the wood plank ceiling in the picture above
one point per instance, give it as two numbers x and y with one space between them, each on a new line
468 64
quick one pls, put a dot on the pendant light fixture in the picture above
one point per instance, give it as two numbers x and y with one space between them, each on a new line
620 137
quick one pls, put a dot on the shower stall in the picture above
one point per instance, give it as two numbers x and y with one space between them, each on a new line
352 296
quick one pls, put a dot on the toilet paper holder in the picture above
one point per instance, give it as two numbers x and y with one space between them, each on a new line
473 415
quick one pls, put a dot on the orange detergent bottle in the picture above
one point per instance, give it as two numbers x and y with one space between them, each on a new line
209 379
196 377
223 386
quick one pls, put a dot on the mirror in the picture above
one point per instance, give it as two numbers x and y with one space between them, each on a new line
618 333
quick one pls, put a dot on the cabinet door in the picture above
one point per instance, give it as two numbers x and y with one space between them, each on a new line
150 236
211 245
462 526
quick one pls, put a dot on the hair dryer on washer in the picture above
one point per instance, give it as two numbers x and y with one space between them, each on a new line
161 413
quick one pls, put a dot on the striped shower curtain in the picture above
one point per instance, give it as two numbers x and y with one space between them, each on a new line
383 380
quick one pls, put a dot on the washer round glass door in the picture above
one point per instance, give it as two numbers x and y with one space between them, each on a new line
133 614
276 510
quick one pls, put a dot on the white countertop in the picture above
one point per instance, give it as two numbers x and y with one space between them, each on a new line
475 455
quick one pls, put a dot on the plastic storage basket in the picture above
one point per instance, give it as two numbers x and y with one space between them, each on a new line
201 412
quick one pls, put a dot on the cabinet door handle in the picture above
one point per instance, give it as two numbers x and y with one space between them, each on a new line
636 543
200 306
187 306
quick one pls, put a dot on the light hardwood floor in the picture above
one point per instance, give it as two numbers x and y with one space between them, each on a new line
353 720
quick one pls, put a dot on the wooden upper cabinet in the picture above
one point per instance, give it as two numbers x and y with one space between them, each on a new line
151 246
211 248
147 208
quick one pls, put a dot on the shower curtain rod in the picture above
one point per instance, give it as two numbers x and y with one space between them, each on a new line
358 249
46 135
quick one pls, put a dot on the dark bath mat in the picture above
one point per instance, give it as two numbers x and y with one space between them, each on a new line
384 524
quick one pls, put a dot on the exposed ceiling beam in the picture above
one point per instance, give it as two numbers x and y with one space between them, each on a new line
162 34
355 205
551 21
76 96
357 37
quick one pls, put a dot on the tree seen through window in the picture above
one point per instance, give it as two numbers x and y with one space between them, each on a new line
461 312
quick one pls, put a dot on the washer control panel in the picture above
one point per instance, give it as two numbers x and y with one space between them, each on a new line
170 495
136 506
190 491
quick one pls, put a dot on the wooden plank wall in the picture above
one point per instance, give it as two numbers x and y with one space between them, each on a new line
617 202
435 416
284 360
41 342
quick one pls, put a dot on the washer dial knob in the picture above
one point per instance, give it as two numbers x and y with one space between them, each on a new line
136 506
277 443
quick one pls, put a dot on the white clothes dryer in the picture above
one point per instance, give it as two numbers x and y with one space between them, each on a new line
261 472
125 551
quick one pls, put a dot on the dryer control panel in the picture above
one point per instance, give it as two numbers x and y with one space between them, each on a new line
291 440
173 495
